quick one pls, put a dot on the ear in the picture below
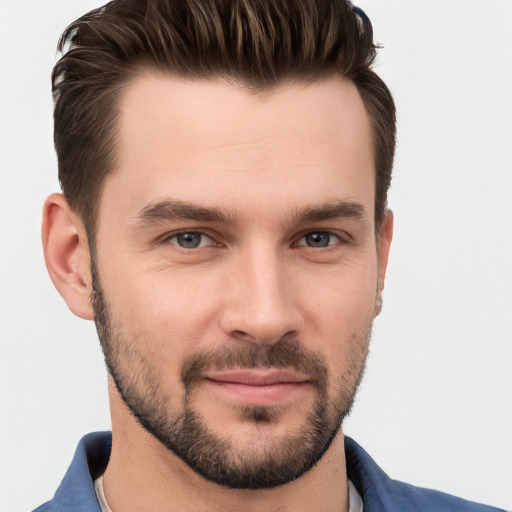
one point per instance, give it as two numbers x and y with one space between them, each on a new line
383 245
66 253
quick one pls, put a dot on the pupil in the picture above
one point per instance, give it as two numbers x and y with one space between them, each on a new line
189 240
318 239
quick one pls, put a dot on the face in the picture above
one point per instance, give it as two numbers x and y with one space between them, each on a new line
236 270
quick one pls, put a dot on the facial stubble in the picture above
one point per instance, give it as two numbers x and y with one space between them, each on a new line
187 434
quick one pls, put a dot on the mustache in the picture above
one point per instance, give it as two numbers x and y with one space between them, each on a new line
284 354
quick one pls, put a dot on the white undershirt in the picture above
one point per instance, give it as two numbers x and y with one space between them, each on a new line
100 494
355 503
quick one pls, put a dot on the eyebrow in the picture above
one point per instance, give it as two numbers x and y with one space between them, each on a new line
169 209
172 210
337 210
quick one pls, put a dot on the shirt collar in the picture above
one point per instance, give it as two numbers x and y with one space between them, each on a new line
76 492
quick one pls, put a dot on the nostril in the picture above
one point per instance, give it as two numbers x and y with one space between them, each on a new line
267 340
242 336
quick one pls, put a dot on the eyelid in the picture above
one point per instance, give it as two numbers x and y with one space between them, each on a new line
342 237
166 239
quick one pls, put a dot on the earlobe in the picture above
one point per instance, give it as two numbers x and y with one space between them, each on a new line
66 253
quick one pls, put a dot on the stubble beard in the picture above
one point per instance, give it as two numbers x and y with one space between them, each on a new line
187 434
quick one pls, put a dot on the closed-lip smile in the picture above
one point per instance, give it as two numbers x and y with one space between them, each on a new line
257 386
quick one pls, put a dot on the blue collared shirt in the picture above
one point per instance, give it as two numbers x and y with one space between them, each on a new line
379 492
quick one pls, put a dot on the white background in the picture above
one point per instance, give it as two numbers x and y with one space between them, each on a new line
436 405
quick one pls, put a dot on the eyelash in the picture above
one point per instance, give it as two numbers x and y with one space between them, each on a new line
167 238
170 236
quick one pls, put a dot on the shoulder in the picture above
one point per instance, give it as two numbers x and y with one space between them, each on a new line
380 493
49 506
428 499
76 492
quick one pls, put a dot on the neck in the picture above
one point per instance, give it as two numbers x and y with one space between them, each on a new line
144 475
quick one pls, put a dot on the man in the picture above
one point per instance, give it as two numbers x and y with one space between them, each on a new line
225 168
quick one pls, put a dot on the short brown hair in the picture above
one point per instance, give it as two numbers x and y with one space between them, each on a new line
257 43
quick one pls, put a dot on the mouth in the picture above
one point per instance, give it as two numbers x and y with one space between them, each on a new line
259 387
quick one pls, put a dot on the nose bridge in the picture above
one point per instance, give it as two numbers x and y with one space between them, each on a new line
261 306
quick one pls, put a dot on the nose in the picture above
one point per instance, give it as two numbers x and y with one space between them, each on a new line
259 301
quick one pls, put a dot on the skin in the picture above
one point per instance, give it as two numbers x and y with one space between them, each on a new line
259 158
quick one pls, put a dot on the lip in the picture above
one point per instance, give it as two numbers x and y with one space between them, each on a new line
257 387
257 377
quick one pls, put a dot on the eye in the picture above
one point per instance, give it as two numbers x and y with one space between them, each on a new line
319 239
190 239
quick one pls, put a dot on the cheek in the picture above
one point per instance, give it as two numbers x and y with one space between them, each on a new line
340 313
170 312
158 294
342 299
165 317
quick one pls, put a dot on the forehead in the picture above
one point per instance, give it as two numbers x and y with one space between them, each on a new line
210 142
